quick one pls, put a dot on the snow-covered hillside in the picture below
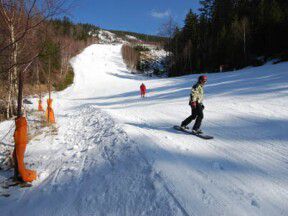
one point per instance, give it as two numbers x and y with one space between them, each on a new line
107 37
152 58
113 153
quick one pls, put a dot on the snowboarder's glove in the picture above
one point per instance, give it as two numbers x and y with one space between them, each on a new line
203 107
193 104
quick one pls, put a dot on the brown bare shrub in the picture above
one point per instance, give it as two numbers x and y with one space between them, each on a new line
131 56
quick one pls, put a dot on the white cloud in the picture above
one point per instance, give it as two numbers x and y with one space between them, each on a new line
159 14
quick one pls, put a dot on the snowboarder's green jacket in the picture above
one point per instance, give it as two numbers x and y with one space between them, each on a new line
197 93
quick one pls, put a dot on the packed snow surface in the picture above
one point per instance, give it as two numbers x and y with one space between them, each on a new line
113 153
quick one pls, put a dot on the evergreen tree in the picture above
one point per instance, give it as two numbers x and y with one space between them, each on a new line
233 33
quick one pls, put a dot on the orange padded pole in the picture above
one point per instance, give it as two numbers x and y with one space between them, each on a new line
21 139
49 112
40 107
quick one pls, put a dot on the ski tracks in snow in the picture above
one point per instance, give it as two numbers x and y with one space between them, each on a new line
96 170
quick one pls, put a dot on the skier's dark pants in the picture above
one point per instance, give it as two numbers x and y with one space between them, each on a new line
197 113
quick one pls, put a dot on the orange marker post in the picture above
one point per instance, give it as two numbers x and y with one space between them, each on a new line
40 107
49 112
21 139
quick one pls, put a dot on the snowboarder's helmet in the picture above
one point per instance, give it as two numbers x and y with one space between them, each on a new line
202 78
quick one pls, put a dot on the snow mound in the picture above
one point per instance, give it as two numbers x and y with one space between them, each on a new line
90 167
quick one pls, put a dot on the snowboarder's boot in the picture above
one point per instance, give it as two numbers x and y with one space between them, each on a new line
199 131
183 127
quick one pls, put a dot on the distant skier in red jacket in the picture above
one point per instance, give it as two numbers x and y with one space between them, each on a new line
142 90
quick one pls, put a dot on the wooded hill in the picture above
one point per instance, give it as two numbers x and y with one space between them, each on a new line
42 54
35 50
231 34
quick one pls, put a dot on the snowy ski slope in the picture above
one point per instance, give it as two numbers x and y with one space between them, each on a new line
113 153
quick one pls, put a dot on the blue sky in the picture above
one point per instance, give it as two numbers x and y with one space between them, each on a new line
144 16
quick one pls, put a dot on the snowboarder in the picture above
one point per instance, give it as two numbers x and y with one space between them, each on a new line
142 90
197 107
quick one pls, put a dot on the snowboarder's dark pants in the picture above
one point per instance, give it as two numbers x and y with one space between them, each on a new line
196 113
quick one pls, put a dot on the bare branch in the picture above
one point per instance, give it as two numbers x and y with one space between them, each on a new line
53 8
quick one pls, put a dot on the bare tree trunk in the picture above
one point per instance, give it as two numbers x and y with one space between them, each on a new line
20 88
49 87
49 78
67 64
245 26
38 80
15 68
14 76
9 97
61 67
244 41
20 93
12 88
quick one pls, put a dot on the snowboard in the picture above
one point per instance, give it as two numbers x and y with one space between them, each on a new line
203 136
